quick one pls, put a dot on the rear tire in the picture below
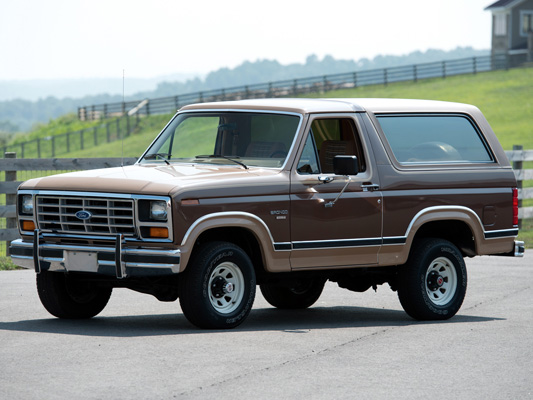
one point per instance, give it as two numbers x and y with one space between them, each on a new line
302 294
68 298
217 289
432 285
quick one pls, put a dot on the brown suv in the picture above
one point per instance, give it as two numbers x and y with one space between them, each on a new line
283 193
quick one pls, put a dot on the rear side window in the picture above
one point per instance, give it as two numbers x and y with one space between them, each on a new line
427 139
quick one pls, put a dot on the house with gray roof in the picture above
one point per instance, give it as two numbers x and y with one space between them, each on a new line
512 30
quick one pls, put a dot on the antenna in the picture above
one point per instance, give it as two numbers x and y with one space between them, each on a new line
124 108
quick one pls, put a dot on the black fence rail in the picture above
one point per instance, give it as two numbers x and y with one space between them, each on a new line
56 145
295 87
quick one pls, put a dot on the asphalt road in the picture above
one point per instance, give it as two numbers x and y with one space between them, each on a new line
347 346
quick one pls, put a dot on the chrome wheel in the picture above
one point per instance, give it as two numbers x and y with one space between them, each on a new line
441 281
226 287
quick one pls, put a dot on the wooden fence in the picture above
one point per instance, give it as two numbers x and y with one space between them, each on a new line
299 86
122 126
55 145
11 165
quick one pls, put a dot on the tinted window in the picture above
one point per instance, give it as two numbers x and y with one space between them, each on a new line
327 139
433 139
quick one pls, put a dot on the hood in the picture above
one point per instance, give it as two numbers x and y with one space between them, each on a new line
148 178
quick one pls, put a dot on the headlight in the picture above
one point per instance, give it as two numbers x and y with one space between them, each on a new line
26 204
158 210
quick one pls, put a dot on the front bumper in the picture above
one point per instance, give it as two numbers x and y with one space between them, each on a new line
106 260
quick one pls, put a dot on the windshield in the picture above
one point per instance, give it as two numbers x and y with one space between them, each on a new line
242 139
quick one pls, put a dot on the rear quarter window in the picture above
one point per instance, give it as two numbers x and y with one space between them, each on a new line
434 139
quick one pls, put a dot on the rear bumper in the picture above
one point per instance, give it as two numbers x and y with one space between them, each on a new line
106 260
519 249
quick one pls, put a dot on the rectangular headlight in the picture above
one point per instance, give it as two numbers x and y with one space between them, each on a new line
158 210
26 204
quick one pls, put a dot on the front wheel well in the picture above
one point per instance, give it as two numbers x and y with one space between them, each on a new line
454 231
241 237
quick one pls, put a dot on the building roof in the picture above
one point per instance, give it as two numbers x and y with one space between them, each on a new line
503 4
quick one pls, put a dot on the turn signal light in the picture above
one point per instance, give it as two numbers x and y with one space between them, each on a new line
156 232
28 226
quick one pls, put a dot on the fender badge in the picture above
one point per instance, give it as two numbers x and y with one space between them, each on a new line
83 215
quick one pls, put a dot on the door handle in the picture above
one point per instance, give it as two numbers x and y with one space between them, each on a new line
369 187
326 179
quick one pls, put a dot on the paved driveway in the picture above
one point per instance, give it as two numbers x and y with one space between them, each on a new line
348 345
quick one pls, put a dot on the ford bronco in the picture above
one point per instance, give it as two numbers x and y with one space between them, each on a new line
282 193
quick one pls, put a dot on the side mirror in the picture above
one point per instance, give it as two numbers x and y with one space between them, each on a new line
345 165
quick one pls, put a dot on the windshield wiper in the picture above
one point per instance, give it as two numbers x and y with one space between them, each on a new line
158 155
224 157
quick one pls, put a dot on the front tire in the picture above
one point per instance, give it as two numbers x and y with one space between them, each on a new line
65 297
299 295
432 285
218 288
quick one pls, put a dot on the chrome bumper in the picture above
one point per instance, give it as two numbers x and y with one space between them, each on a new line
518 251
519 248
113 260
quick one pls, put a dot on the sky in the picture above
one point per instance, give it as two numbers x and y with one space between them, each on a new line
64 39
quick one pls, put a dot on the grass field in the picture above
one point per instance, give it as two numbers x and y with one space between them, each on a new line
504 97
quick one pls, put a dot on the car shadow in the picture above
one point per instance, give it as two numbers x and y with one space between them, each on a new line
263 319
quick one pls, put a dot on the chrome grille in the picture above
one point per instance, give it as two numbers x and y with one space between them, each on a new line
110 216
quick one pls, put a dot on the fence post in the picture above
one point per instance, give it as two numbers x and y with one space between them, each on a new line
415 73
385 76
95 134
443 69
127 125
68 142
81 139
39 148
517 166
53 146
105 111
354 79
22 149
107 133
474 65
11 199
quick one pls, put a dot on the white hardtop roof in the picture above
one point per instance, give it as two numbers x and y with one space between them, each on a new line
342 105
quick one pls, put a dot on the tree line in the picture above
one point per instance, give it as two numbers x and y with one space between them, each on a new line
21 115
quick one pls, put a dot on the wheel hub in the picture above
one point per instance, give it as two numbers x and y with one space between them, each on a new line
434 281
220 287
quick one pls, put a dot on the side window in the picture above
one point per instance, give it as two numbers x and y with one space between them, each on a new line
328 138
308 163
426 139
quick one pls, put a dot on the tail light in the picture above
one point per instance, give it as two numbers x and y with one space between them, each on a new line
515 206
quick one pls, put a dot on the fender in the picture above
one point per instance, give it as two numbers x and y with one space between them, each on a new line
397 254
274 260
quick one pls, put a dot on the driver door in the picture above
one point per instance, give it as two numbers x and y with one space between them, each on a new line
329 228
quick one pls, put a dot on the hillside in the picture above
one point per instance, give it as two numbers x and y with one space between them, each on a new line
505 97
19 114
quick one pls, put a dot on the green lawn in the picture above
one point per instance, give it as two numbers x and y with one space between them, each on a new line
505 98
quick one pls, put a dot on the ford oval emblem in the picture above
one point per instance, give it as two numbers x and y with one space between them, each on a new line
83 215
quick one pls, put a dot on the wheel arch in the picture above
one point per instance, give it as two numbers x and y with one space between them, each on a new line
459 225
242 229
